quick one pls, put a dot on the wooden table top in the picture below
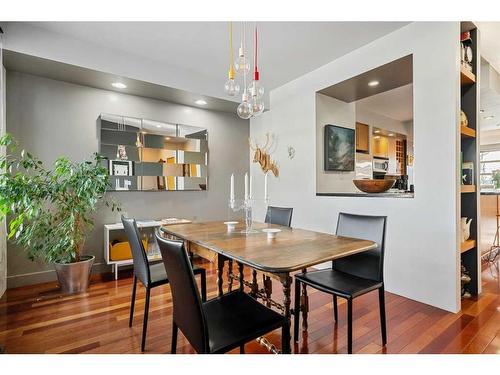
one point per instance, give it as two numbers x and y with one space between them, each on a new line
291 250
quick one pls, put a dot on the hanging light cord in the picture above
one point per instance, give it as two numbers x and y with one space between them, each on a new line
230 44
244 57
255 69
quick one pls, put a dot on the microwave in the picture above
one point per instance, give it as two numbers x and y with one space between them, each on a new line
380 165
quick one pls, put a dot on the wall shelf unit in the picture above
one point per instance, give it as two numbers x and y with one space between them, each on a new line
466 77
469 150
468 189
465 131
467 245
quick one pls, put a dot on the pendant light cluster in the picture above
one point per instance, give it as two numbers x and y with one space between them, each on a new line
252 98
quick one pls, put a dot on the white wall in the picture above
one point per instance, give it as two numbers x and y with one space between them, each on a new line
422 240
52 118
334 112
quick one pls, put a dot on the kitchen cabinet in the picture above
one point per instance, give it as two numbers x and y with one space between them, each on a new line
380 146
362 138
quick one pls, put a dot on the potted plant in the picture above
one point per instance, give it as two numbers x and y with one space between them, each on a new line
496 179
49 210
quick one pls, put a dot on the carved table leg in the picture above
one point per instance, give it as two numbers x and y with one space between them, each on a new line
304 304
220 270
268 288
255 285
230 275
240 270
286 281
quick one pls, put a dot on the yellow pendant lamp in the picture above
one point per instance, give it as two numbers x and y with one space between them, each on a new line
231 87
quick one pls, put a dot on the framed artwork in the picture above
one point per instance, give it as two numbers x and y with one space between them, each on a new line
339 149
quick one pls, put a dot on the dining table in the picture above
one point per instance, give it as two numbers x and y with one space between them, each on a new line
290 251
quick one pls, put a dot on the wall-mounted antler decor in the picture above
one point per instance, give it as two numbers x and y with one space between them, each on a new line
263 154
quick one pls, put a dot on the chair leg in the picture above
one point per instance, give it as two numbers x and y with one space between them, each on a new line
296 310
381 299
349 326
203 276
242 349
145 322
132 302
173 349
335 309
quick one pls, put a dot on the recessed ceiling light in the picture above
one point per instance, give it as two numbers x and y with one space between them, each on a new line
489 117
200 102
373 83
377 137
167 138
376 131
391 134
158 126
119 85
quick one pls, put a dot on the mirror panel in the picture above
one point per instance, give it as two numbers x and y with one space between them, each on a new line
151 155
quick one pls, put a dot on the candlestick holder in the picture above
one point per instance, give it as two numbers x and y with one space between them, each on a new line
245 205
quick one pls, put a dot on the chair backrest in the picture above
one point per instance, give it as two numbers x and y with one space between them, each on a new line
139 256
279 216
188 310
368 264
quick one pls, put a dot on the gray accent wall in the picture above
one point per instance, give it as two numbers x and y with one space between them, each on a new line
52 118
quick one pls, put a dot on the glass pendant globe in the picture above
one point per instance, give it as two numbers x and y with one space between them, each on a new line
244 110
241 65
231 87
256 105
256 89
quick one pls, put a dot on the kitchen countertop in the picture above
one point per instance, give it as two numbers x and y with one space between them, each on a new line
387 194
490 192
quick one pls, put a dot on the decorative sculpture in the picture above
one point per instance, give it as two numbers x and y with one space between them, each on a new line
263 154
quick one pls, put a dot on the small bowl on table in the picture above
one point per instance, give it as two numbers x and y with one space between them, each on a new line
271 232
231 225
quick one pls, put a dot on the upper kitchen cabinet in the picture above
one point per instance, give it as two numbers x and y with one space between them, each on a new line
362 138
380 147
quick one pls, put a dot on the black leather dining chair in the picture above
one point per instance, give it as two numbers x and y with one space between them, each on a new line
219 325
150 275
352 276
279 216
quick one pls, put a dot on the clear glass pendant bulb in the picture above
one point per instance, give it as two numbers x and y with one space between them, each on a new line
241 65
231 87
244 110
256 105
256 89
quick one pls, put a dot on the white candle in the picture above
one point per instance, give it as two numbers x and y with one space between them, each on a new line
246 186
231 194
250 195
265 187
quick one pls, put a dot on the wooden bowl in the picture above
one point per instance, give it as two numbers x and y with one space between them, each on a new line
374 186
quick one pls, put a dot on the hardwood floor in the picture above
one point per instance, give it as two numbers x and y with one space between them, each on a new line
37 319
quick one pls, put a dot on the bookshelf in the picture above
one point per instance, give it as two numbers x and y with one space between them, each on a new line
469 147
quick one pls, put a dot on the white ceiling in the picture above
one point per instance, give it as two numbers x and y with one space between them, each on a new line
490 46
287 50
396 104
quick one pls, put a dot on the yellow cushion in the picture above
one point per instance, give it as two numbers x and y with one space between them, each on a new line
122 251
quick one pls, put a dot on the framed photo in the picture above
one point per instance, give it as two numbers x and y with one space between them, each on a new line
121 168
339 149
